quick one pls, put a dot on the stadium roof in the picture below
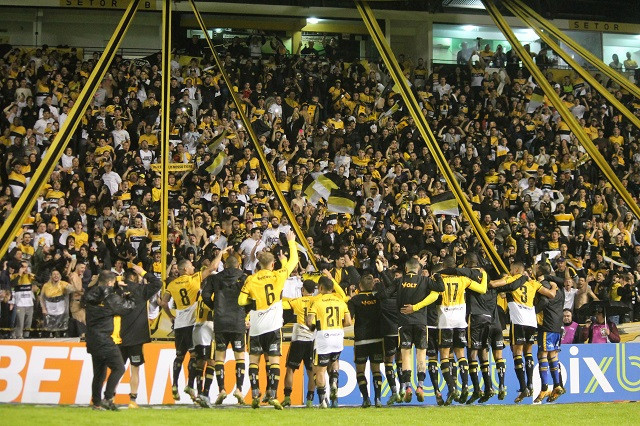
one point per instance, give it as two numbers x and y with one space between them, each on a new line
598 10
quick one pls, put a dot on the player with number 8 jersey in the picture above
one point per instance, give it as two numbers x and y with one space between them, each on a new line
265 289
184 291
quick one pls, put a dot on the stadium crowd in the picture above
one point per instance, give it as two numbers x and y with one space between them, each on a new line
321 119
315 112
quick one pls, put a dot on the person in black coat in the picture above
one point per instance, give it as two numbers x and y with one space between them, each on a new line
104 307
220 293
134 330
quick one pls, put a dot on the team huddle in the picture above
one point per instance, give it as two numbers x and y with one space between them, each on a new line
450 315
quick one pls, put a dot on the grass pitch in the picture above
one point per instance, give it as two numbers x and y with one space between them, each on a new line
601 413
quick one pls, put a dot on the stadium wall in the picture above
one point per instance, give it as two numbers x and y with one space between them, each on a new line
54 372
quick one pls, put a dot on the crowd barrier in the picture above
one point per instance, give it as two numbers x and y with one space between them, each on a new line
57 372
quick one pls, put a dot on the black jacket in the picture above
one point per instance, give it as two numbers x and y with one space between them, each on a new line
220 293
102 305
135 325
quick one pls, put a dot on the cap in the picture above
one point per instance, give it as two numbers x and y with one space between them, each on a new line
561 259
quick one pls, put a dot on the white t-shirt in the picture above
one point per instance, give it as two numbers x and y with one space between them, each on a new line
119 136
249 263
569 298
112 180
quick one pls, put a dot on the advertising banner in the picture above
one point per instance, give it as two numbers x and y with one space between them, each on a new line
55 372
50 372
590 372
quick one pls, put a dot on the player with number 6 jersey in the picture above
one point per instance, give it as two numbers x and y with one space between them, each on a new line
265 289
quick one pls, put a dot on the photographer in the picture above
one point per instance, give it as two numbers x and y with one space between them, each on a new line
104 307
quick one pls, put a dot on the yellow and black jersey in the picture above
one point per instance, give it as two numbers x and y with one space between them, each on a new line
564 221
174 190
525 294
300 308
184 290
455 287
81 239
203 312
54 196
265 287
135 236
328 311
17 182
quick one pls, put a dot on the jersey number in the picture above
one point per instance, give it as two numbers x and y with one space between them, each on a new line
524 294
453 294
268 292
184 297
333 313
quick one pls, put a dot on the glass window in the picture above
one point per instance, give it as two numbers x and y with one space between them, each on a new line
626 47
453 41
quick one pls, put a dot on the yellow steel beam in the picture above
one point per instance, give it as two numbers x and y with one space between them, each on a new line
30 194
601 66
425 131
564 112
165 124
254 138
517 11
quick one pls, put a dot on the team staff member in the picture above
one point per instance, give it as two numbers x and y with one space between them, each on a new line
104 307
414 292
389 331
550 335
328 315
521 292
302 338
184 290
220 292
134 332
368 345
265 335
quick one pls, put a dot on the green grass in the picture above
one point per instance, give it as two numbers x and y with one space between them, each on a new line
602 413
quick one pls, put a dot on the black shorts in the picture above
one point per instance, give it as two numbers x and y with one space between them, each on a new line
132 353
390 344
432 342
267 343
478 332
522 334
224 339
373 352
452 338
413 334
184 340
324 360
300 351
495 339
203 351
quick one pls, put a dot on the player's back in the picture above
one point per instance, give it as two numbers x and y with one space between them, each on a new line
453 306
229 315
301 307
520 302
265 289
412 289
329 311
552 314
365 309
184 291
